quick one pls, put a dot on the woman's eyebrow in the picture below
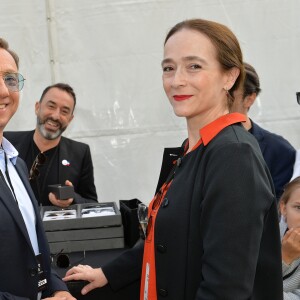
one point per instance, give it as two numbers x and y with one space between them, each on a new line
187 58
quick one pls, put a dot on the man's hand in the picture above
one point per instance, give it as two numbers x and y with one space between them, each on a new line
96 277
61 203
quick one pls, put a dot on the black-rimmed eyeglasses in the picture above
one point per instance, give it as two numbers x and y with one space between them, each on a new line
34 171
298 97
13 81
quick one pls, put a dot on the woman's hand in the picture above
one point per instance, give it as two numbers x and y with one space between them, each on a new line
291 245
96 277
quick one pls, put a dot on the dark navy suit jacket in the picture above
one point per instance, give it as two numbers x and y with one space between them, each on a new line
18 264
279 155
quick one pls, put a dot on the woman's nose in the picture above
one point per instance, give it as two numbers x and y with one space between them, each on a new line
179 78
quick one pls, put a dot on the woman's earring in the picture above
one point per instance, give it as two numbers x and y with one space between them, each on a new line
226 90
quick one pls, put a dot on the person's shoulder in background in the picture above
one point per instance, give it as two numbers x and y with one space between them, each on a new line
18 137
271 139
296 171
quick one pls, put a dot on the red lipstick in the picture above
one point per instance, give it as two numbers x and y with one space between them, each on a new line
181 97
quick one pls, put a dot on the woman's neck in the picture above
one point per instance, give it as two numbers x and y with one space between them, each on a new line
195 124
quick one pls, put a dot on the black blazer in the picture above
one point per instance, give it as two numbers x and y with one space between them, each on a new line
18 265
80 171
217 234
279 155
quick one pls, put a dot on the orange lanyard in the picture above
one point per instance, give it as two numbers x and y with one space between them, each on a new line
148 282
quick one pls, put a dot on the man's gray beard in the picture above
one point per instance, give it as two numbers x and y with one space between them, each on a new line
49 135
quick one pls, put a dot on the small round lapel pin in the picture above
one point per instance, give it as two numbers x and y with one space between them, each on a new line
65 162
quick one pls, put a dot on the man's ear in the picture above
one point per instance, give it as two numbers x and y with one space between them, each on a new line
37 107
249 100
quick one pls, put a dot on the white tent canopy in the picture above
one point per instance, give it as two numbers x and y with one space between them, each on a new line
110 51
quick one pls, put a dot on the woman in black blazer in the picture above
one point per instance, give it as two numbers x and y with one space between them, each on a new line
213 226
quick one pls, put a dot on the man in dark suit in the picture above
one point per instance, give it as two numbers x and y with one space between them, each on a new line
24 254
50 157
278 153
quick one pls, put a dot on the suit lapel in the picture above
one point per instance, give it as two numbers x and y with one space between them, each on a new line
26 183
39 223
63 170
12 206
23 175
169 156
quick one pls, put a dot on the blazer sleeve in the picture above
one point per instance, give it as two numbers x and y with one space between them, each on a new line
55 284
86 191
237 204
126 268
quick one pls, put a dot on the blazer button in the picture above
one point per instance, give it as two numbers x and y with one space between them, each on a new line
32 272
161 248
165 202
163 292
